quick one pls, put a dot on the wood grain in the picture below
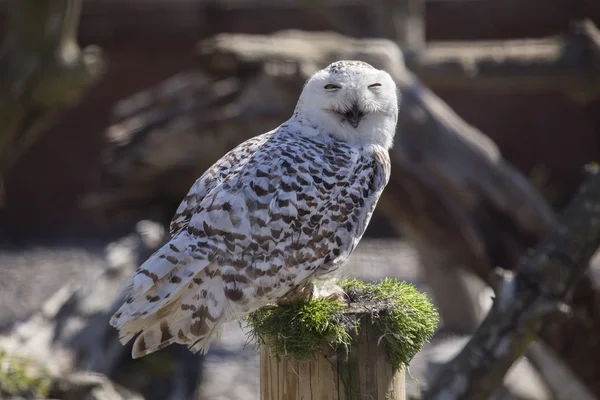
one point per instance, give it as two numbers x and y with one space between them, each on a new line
365 372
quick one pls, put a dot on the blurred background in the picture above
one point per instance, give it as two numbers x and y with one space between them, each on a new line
500 112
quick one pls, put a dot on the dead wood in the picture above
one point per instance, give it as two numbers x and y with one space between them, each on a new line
568 62
42 70
450 193
108 20
526 301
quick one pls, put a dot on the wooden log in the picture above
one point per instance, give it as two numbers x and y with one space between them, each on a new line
403 21
569 62
566 63
365 372
445 20
527 300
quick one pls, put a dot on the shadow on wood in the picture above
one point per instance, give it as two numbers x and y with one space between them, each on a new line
324 348
365 371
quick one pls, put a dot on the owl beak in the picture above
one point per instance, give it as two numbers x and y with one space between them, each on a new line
354 115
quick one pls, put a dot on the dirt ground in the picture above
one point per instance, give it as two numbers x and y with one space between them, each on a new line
28 276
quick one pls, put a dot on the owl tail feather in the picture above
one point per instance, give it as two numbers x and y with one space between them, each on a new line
175 297
159 332
193 318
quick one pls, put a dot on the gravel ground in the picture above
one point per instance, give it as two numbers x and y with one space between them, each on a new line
29 277
231 367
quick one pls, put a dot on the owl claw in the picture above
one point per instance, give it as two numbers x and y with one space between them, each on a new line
330 291
301 294
311 291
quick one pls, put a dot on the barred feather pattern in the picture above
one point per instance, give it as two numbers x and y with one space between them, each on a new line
275 212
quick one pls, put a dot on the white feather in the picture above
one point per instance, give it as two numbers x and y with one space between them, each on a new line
279 210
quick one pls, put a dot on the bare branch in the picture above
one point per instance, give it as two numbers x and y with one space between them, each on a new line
569 62
526 301
42 70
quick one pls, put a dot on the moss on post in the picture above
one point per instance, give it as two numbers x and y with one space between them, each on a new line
337 351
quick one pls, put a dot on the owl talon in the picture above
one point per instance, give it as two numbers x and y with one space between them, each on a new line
280 212
331 292
302 294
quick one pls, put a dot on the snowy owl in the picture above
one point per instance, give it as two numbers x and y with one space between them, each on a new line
273 215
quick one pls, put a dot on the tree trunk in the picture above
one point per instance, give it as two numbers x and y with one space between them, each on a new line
42 70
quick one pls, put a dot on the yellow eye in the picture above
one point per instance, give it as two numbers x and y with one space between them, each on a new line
375 85
330 86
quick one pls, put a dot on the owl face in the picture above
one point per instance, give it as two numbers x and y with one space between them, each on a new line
352 101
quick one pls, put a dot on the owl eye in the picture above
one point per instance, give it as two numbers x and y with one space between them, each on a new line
330 86
375 85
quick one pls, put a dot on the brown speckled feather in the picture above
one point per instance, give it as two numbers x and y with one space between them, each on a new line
280 208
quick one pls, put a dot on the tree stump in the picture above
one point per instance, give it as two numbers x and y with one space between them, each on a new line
327 350
365 372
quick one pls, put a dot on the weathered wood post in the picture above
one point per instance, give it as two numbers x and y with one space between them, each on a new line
366 372
334 351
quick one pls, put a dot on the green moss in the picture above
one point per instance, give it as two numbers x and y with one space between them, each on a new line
407 319
19 377
298 329
404 316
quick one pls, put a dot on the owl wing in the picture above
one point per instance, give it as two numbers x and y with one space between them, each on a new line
289 207
294 207
298 205
230 163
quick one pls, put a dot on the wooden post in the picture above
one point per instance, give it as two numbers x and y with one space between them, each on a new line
364 372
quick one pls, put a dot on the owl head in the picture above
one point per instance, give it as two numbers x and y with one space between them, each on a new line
352 101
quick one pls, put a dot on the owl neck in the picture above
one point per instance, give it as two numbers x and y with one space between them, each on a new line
374 130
